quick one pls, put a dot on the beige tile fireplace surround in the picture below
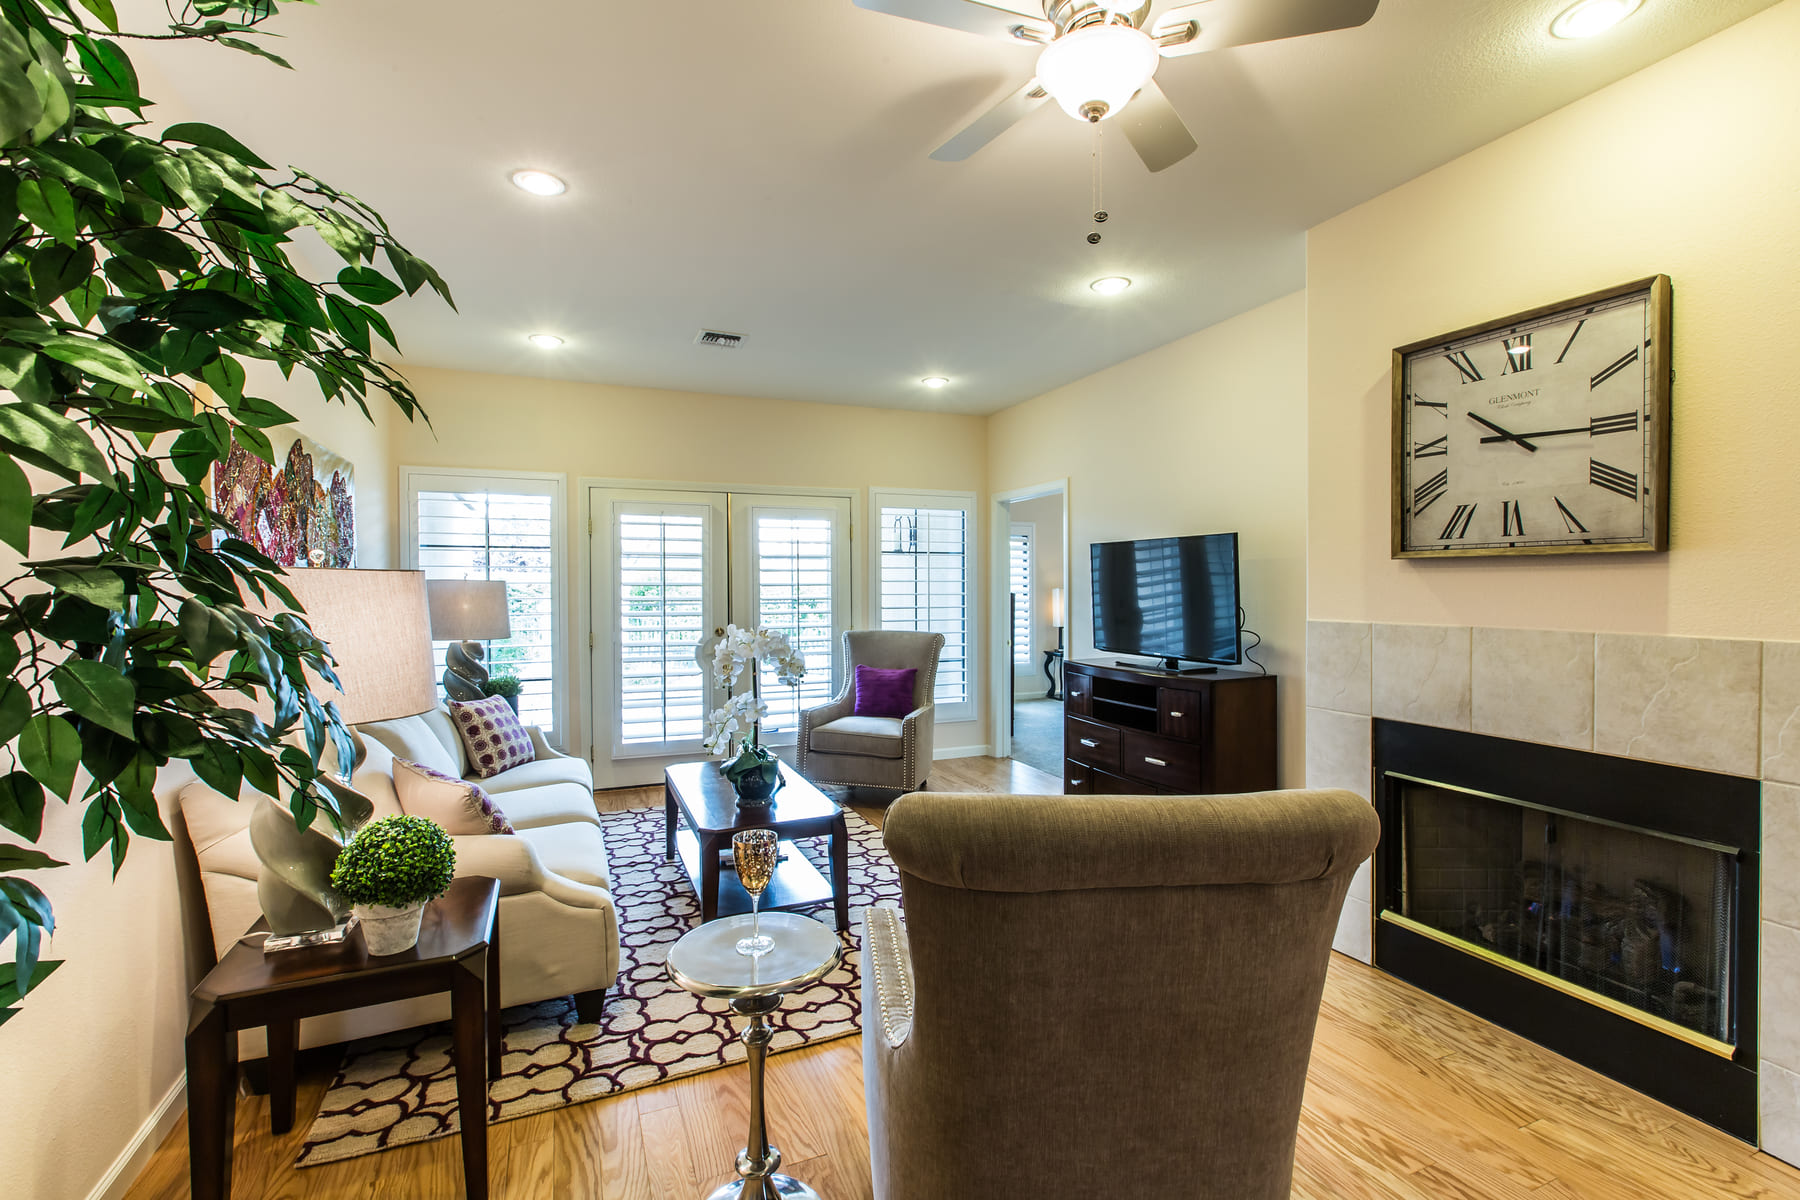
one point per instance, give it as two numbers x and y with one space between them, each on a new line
1712 703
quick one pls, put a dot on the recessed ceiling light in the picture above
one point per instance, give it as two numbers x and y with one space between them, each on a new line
1589 17
545 341
1112 285
935 381
539 183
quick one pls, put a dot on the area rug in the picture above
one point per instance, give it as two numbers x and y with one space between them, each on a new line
401 1088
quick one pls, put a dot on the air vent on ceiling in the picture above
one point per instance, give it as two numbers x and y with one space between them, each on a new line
724 341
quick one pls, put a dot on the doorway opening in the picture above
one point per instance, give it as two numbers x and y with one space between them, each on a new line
1031 625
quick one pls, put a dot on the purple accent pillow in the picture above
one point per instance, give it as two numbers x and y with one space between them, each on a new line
492 735
884 692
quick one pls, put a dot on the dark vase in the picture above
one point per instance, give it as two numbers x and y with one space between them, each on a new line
755 789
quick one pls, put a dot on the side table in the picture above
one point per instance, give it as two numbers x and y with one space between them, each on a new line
1053 661
706 962
458 952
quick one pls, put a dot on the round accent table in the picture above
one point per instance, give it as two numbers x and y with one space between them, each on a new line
706 962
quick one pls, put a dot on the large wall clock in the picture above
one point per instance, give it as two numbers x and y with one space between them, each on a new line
1546 432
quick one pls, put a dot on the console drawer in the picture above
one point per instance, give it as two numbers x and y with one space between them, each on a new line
1159 760
1078 693
1178 714
1105 783
1090 742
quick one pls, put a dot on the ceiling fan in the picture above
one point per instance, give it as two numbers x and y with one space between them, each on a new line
1099 60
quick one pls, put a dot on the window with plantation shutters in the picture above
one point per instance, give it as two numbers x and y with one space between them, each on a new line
661 621
1018 568
499 525
924 580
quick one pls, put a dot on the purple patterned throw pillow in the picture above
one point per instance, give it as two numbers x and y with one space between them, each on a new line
884 692
492 735
459 806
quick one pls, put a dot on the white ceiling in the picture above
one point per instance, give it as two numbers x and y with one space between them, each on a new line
761 168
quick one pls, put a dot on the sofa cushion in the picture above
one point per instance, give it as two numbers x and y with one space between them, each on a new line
459 806
561 769
414 738
576 852
491 735
874 737
549 804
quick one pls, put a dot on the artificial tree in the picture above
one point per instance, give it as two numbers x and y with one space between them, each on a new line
139 271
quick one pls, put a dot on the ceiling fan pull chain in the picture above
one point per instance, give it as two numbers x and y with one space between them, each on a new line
1099 195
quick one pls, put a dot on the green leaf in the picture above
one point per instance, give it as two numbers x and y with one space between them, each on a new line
259 771
256 442
15 710
21 107
47 204
96 585
22 805
253 48
10 990
51 750
219 767
366 283
135 786
79 165
134 276
56 269
15 506
111 76
349 321
225 375
158 246
104 10
54 440
97 359
85 300
18 858
206 631
252 410
97 692
194 454
198 133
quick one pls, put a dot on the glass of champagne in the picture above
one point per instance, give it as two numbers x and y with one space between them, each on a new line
753 852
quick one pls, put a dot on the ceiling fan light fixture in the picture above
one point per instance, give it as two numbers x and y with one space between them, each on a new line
1092 72
1112 285
545 341
935 381
538 183
1587 18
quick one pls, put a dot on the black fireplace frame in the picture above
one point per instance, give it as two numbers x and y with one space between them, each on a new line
1698 805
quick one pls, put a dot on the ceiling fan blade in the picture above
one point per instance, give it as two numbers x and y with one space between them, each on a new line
970 15
1225 23
994 122
1155 129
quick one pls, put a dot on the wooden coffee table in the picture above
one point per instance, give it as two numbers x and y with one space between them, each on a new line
697 796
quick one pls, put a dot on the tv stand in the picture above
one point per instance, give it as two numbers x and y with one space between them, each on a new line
1137 730
1168 666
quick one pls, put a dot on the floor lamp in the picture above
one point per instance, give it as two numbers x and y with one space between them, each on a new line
466 613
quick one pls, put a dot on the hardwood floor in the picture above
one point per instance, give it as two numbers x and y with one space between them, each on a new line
1408 1098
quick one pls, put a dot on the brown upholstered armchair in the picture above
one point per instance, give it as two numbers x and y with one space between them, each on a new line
1100 996
835 746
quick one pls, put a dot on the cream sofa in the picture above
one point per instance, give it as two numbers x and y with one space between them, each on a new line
560 930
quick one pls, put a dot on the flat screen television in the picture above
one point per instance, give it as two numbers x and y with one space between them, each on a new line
1172 598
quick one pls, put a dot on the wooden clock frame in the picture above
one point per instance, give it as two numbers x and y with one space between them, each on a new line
1658 369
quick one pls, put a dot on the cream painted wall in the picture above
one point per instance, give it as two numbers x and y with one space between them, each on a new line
1690 168
597 431
1203 435
1045 515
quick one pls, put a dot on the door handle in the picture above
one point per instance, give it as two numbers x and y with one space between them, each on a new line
721 633
1090 743
1155 762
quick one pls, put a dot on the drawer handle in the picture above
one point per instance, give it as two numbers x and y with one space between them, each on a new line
1155 762
1173 713
1076 782
1090 743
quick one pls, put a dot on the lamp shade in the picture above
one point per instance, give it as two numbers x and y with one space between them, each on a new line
375 624
1097 69
1056 608
468 610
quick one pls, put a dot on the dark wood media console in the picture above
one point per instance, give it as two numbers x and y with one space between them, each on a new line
1132 732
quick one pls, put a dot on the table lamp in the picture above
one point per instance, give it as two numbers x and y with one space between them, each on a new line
375 623
1056 615
466 613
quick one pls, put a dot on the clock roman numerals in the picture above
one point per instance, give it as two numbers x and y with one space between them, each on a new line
1624 422
1435 448
1573 334
1512 521
1570 521
1442 407
1427 493
1466 365
1624 360
1518 354
1613 479
1458 525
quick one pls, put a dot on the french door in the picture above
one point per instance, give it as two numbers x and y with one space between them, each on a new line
670 569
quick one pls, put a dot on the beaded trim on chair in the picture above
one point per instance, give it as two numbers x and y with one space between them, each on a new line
888 966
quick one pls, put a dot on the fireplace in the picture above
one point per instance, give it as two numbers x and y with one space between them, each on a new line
1603 907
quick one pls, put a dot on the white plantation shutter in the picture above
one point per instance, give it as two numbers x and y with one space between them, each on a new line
499 525
925 581
1018 564
661 606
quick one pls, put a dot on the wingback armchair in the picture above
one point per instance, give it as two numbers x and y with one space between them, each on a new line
1100 996
837 746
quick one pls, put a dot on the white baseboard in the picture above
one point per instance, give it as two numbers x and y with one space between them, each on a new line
130 1163
961 752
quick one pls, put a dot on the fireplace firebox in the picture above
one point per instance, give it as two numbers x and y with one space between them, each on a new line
1603 907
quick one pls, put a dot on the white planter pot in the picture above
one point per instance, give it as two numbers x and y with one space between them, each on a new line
389 930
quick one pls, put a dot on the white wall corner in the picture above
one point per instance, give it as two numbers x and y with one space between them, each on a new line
136 1155
943 752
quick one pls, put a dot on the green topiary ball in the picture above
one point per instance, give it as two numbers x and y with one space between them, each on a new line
397 861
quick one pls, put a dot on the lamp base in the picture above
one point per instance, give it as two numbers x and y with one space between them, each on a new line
465 674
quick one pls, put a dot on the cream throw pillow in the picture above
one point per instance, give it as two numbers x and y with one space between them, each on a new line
459 806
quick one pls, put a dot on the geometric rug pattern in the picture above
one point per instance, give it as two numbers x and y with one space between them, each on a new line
401 1087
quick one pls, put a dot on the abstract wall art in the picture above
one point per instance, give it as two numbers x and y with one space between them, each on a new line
301 513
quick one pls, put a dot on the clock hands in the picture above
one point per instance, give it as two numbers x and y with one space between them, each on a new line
1505 435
